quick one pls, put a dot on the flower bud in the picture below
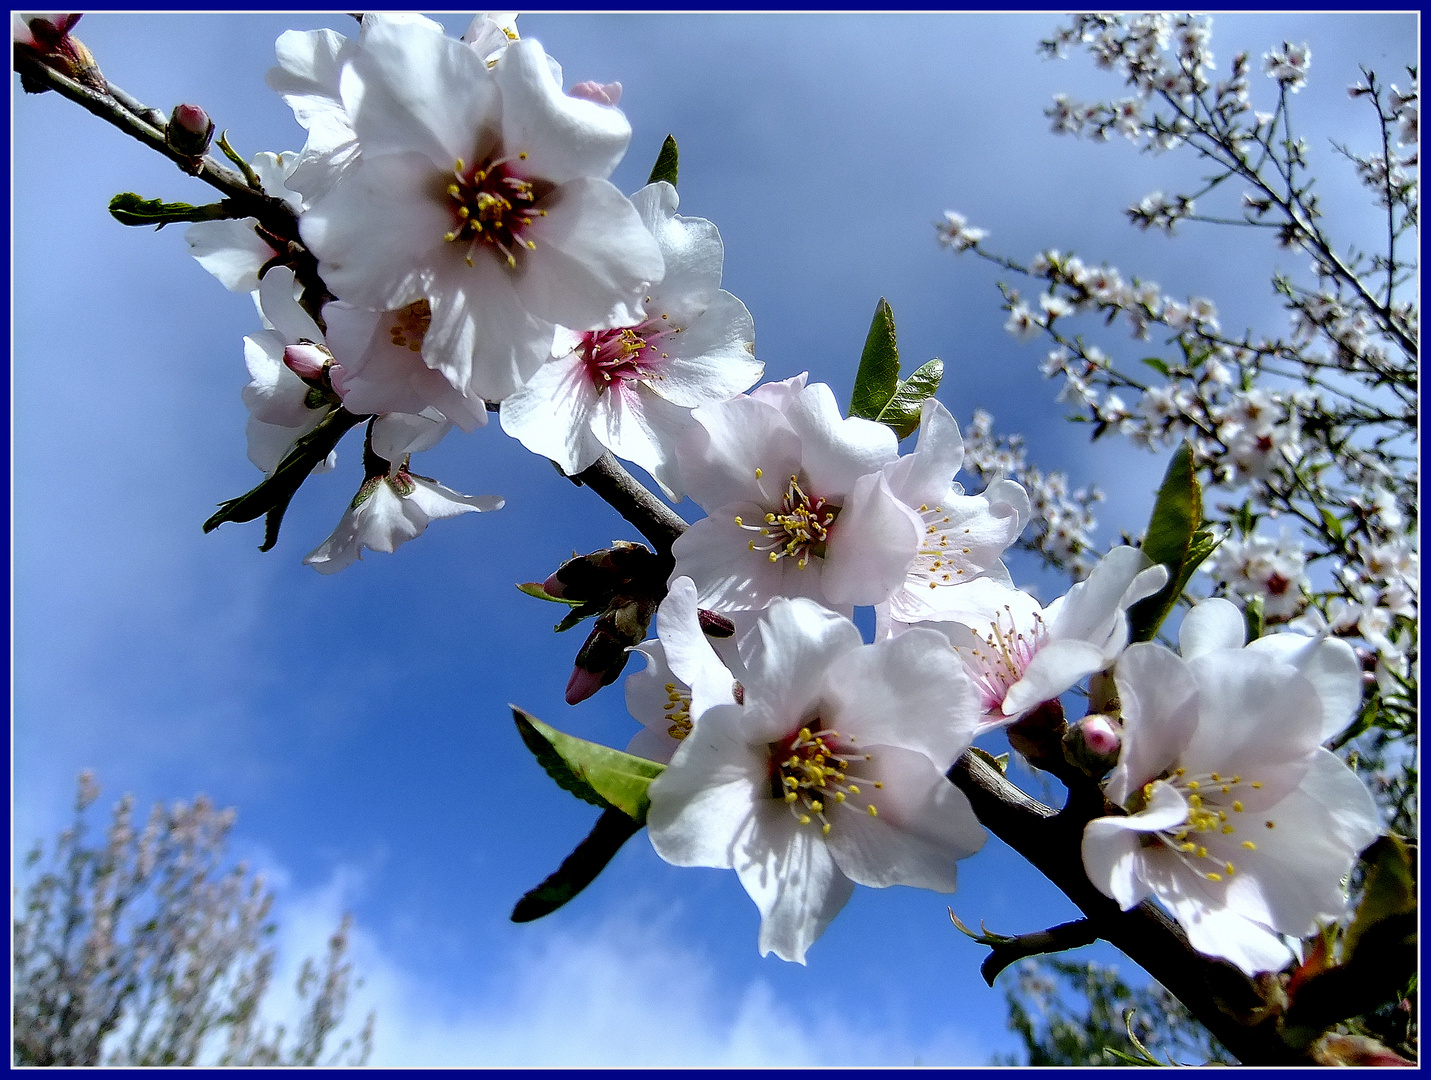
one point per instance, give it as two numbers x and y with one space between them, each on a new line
582 685
306 360
601 93
1093 744
1038 735
553 586
46 35
189 131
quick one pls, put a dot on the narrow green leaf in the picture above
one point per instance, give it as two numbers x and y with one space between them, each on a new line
596 774
273 495
1176 539
584 610
534 588
1333 524
127 208
902 411
1252 617
878 377
237 158
1157 364
667 163
579 869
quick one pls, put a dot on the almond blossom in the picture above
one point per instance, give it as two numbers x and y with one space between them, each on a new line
483 192
1238 821
831 773
796 500
631 389
234 250
1021 654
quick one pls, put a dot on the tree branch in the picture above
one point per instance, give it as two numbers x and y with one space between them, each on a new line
1218 994
656 521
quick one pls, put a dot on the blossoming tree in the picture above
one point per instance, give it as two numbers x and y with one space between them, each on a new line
447 244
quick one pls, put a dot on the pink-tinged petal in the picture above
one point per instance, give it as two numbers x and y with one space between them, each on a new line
274 394
781 394
1331 666
375 232
692 249
481 338
641 426
837 450
1257 717
791 875
1056 667
379 376
1159 696
437 502
411 89
908 691
1093 609
230 250
563 137
708 797
1213 623
712 359
924 476
553 414
1292 880
923 825
279 306
799 642
688 651
719 458
872 545
1113 846
593 261
395 435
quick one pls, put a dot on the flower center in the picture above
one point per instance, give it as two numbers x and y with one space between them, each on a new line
409 325
940 550
630 353
1006 656
797 529
809 773
678 712
492 207
1203 839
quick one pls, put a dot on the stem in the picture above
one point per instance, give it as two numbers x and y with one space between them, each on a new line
1219 995
656 521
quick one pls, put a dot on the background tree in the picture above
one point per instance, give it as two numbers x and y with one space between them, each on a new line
144 950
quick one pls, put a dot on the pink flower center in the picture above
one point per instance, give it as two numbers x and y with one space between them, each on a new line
809 773
1006 655
620 355
799 528
492 208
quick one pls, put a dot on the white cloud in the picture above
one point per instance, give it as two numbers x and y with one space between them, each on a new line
628 994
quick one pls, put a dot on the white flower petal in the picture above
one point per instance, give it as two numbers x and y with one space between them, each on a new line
872 545
1056 667
837 450
924 475
1213 623
1331 666
712 359
796 885
230 250
1159 697
641 426
688 651
799 642
718 460
553 413
481 338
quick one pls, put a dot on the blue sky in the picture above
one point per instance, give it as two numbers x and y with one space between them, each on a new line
359 721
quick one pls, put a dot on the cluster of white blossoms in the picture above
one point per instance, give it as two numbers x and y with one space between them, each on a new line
475 257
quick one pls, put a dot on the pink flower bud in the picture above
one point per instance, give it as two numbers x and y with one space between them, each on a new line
1101 736
306 360
189 130
601 93
553 586
582 685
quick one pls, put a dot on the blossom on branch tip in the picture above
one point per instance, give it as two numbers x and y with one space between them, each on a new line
631 389
1238 821
831 773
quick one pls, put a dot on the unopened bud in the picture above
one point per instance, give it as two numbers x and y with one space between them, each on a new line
715 624
582 685
553 586
601 93
47 36
189 130
307 360
1093 744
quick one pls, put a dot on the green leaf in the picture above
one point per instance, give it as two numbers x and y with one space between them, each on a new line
667 163
1176 538
579 869
127 208
273 495
1157 364
534 588
877 380
237 158
1390 889
903 411
1252 617
593 773
1333 524
584 610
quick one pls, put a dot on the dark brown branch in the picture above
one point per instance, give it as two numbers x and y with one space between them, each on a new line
657 522
1218 994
